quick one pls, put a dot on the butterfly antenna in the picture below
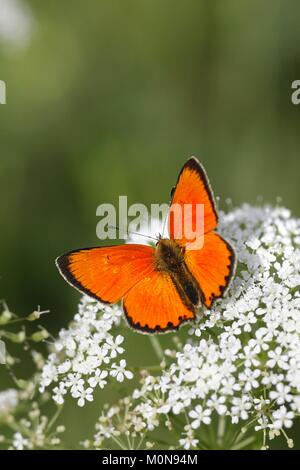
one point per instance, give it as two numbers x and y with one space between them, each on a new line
167 215
134 233
165 222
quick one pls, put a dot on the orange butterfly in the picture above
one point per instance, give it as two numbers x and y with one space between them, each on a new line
161 287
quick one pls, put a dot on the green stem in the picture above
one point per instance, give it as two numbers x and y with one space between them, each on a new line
54 418
157 347
220 430
244 443
119 443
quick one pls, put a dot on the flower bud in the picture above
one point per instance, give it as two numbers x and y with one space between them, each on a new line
33 316
15 337
5 317
22 384
290 443
39 335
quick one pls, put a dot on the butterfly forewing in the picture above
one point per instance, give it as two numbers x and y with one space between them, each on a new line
192 189
106 273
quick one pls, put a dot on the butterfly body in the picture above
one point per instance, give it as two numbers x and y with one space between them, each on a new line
161 287
169 256
170 259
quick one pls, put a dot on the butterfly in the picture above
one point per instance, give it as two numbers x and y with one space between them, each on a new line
161 287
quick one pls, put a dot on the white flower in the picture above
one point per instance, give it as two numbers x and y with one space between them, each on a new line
282 418
100 354
74 382
83 395
247 320
59 392
98 378
114 345
120 372
200 415
250 356
281 394
188 442
64 367
262 340
284 270
233 329
249 378
263 423
217 403
240 408
277 358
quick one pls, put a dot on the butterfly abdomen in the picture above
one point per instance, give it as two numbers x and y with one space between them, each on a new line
169 258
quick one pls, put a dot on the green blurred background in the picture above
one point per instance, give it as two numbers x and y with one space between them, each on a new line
110 97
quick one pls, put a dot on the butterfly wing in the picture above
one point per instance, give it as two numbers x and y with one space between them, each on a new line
192 188
213 266
106 273
209 258
153 305
151 301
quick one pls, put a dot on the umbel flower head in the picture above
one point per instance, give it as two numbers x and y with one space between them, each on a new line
86 354
239 363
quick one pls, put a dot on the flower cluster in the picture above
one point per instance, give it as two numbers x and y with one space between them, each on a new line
23 422
86 354
33 432
241 360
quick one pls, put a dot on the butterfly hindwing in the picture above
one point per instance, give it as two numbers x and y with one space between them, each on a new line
212 267
106 273
154 305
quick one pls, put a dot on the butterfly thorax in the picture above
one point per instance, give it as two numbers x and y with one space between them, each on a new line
169 255
169 258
